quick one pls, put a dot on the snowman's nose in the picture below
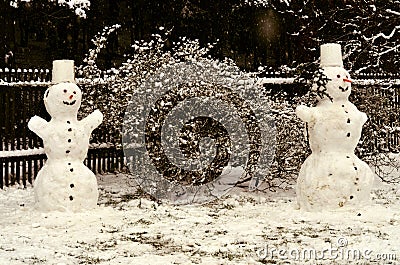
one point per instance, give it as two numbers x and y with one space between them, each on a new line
347 80
70 97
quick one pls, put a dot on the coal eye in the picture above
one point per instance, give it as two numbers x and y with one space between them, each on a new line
74 92
338 76
65 91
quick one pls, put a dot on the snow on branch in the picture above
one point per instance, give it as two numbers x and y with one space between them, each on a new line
373 38
100 42
263 3
393 12
395 48
79 6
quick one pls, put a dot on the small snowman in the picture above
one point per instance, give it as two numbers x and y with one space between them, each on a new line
333 176
65 183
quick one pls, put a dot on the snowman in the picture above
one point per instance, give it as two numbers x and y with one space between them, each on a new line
65 183
333 176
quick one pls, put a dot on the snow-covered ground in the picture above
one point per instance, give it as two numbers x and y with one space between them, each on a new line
241 228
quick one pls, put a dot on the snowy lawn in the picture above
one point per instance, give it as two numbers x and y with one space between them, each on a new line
241 228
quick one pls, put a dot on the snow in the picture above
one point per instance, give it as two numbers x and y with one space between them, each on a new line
260 81
80 6
393 12
40 150
275 80
26 152
366 82
19 83
360 82
382 35
238 229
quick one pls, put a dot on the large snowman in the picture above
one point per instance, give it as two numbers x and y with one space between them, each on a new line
65 183
333 176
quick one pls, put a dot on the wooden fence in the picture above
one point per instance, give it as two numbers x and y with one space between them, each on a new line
25 75
23 169
20 101
381 102
44 75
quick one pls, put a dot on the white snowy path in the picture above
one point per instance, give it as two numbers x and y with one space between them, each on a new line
242 228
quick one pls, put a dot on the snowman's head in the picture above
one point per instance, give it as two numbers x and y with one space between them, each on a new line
63 100
339 84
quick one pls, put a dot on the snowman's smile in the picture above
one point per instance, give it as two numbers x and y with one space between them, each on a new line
69 103
344 89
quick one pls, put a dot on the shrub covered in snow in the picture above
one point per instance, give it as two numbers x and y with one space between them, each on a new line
291 141
111 90
171 75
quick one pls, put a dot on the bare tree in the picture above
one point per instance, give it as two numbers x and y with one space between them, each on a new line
368 30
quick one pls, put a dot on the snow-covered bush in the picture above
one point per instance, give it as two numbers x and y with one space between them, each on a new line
171 75
111 89
291 140
191 121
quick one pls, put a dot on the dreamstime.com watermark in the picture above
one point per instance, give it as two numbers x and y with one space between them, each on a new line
339 252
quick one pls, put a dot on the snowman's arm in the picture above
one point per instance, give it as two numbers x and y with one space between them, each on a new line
38 126
93 120
306 114
364 117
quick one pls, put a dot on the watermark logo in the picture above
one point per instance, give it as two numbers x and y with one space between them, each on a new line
342 242
194 129
340 251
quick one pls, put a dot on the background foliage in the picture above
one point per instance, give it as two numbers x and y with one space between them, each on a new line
252 33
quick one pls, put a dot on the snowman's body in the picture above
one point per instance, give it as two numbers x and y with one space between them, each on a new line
64 182
333 176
